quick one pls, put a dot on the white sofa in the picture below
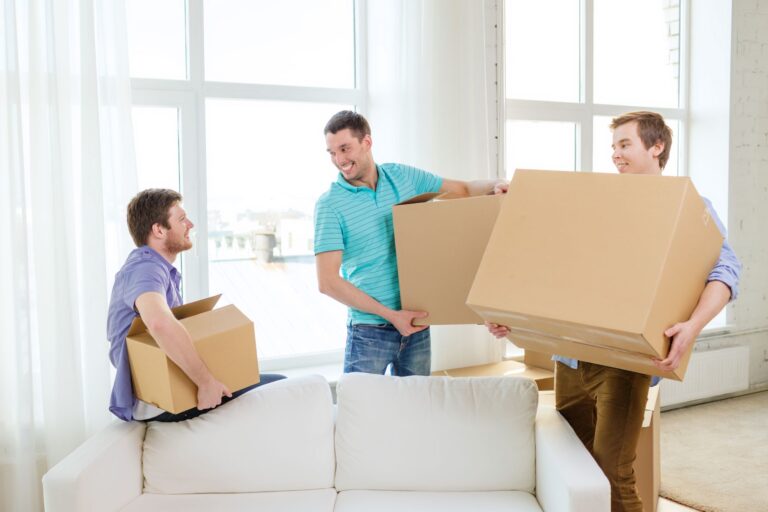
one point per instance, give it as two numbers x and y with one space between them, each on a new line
406 444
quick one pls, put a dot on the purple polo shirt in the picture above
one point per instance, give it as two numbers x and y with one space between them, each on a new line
144 271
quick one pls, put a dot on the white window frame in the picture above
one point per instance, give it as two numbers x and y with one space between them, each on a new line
582 113
189 97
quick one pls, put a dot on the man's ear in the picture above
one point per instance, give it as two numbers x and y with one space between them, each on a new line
158 230
658 148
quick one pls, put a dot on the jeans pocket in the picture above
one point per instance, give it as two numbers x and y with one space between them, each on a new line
368 333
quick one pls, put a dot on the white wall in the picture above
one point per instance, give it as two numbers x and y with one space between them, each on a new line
730 102
748 178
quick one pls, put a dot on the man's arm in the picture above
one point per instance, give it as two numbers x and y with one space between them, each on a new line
175 341
713 299
332 284
474 188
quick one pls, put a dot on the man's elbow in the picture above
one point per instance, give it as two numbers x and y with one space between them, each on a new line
324 285
159 326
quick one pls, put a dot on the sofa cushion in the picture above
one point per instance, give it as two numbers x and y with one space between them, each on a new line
435 433
292 501
401 501
278 437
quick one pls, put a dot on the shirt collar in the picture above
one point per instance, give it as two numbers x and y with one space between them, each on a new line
348 186
150 252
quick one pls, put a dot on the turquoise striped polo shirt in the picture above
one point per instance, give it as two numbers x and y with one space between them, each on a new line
358 221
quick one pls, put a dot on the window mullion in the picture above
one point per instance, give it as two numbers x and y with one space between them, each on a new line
193 181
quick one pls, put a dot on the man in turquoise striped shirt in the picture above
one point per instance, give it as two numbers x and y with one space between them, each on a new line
354 234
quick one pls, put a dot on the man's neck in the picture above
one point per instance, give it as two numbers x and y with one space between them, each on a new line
170 257
370 180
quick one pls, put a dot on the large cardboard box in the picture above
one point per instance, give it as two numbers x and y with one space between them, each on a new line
440 241
597 266
648 462
544 379
223 337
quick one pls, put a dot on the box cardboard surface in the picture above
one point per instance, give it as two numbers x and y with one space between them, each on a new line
648 462
440 242
545 380
223 337
596 266
539 360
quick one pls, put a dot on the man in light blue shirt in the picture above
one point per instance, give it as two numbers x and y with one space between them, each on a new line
605 406
354 235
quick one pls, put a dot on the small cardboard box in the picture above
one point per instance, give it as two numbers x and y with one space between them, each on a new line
223 337
545 380
648 462
440 241
597 266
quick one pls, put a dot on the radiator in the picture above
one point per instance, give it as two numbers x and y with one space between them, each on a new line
710 373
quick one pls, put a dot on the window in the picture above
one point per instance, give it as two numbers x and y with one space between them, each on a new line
230 100
567 75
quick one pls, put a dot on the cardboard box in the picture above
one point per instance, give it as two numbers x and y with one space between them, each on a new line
545 380
648 462
596 266
538 360
223 337
440 241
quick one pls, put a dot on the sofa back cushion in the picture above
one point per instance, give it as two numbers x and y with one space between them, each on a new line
435 433
278 437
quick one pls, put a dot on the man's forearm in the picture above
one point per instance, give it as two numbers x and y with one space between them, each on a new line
713 299
348 294
482 187
174 340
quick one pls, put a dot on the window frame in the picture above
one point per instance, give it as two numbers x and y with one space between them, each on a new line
189 97
583 112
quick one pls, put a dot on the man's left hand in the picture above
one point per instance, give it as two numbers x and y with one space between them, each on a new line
682 335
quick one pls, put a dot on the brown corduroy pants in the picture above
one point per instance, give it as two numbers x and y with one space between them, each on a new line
605 408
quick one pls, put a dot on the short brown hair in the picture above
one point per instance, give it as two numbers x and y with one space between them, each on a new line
149 207
651 128
356 123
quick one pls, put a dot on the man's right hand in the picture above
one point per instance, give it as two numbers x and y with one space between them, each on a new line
500 331
403 321
209 395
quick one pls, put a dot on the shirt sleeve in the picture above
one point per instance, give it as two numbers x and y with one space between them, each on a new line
146 276
328 233
423 181
728 267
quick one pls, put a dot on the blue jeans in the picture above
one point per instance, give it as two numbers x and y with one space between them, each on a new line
372 348
169 417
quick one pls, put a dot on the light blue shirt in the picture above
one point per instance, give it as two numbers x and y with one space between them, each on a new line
144 271
727 270
358 221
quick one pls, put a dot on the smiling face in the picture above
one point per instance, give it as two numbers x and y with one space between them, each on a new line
351 156
177 235
630 155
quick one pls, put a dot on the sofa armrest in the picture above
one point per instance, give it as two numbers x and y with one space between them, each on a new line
104 473
567 477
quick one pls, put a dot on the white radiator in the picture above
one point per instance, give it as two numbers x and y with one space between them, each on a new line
710 373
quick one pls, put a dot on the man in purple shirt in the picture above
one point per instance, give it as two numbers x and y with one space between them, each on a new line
605 406
148 286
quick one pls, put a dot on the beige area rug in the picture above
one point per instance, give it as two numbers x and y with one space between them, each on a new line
714 457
